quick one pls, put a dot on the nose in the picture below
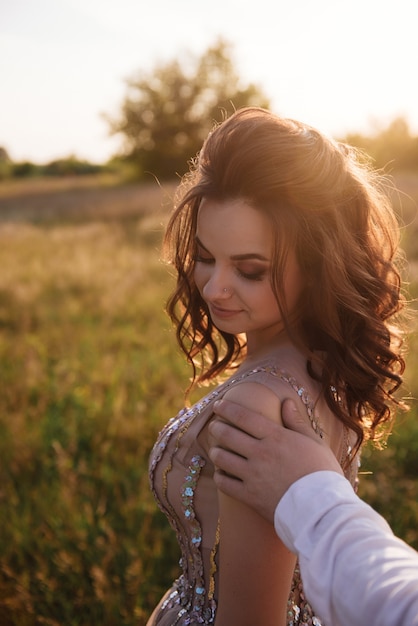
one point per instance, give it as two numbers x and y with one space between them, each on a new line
216 288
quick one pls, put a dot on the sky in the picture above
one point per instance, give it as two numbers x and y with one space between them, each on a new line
339 66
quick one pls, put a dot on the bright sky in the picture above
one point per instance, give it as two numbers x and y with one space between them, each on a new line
340 66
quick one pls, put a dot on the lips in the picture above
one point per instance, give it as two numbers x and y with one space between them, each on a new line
219 312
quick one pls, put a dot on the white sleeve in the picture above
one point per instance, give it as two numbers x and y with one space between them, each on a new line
354 570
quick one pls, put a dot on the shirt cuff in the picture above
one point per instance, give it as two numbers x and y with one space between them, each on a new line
307 500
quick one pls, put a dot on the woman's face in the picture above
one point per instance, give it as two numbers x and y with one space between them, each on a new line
233 270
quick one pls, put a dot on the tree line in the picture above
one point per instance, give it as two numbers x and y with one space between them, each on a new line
68 166
167 113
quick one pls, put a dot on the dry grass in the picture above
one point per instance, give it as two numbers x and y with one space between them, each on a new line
89 372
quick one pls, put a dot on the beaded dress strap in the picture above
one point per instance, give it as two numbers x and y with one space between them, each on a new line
283 375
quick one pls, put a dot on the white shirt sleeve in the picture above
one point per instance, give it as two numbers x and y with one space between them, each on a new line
354 570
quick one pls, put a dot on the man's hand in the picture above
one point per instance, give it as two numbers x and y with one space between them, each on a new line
257 459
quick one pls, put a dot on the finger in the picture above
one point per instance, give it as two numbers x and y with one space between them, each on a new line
293 419
239 490
251 422
231 438
229 485
228 462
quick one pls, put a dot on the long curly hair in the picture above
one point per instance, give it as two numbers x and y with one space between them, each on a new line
325 203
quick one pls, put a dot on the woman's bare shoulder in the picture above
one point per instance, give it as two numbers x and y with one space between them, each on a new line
258 397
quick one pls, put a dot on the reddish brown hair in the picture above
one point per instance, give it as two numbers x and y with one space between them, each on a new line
325 203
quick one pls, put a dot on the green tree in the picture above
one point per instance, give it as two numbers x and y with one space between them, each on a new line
392 148
25 169
5 164
167 113
70 166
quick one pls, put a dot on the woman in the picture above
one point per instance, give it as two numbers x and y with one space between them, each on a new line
285 248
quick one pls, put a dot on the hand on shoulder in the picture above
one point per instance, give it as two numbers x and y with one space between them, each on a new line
258 459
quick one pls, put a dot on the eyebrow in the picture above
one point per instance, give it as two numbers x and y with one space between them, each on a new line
238 257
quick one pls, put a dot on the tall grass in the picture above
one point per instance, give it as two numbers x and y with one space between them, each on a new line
389 479
89 373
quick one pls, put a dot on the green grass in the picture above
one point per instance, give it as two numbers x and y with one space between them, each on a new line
89 373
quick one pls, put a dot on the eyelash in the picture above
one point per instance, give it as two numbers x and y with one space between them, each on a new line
257 276
254 277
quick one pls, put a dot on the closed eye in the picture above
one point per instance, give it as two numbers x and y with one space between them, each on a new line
252 275
202 254
203 259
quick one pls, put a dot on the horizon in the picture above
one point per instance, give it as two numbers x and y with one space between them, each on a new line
343 69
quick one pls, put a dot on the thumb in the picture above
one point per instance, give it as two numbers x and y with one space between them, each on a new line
293 419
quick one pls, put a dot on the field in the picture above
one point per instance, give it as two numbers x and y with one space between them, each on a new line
89 372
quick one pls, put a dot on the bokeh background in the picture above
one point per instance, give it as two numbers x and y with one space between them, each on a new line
102 104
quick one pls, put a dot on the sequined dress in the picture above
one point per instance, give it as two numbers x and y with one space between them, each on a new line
181 480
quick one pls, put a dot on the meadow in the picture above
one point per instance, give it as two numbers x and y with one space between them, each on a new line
89 373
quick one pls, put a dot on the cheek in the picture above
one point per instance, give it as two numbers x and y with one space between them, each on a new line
200 276
270 302
294 286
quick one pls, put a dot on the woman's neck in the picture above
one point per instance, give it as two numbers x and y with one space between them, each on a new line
256 351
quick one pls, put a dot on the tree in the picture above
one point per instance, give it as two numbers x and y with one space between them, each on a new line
5 164
392 148
167 114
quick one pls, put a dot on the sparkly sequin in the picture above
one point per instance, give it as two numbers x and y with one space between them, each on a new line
192 599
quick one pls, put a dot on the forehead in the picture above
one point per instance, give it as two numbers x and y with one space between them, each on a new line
235 224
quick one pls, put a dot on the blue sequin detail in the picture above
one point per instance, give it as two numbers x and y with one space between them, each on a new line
191 597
